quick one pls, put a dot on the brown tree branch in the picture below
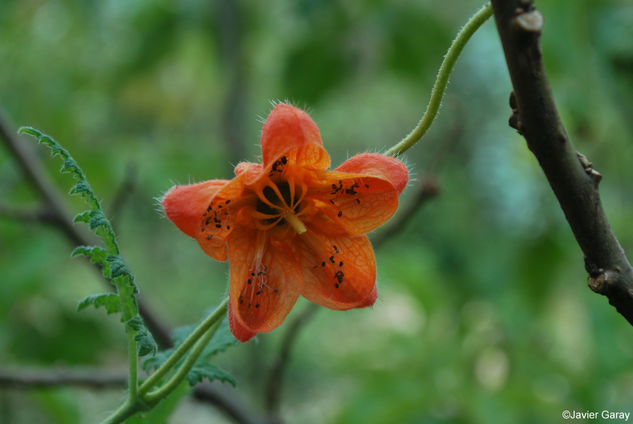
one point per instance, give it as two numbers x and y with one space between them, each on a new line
231 52
570 175
427 189
54 377
37 214
123 192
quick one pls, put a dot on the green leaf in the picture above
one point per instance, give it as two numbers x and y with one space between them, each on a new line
110 301
113 266
80 188
222 340
145 340
96 254
95 216
202 370
118 269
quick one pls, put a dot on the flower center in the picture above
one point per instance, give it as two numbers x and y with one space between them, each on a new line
279 203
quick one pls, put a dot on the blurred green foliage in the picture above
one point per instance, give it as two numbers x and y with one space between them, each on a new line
483 316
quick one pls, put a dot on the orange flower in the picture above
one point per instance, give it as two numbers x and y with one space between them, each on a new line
292 227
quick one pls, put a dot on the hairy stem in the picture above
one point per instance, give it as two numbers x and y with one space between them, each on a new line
441 81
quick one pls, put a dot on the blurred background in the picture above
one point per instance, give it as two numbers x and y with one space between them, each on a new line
484 315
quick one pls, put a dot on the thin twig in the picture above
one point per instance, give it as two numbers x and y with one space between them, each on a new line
427 189
38 214
93 378
229 22
570 175
275 380
226 402
123 192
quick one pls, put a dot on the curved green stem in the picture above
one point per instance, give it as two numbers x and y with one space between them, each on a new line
184 369
205 325
441 81
139 399
125 411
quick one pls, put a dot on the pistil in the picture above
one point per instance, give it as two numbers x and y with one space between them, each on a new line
295 222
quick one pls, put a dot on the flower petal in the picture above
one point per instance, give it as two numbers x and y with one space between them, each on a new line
290 132
184 205
341 272
377 165
266 281
249 171
240 332
355 203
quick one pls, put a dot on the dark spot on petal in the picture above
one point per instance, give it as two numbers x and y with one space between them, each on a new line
257 305
340 214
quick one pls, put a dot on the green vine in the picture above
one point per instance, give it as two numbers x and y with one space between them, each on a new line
441 81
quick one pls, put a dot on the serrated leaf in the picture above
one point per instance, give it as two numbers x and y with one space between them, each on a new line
118 267
97 218
95 253
145 340
82 217
80 187
203 369
155 361
110 301
113 266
